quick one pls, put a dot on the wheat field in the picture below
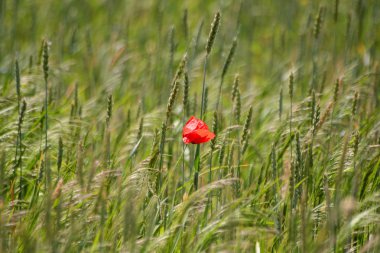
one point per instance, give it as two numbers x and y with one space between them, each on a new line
94 96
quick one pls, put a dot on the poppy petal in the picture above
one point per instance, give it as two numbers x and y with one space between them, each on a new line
198 136
196 131
190 125
186 140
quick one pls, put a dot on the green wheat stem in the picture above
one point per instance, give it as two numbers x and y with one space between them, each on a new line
45 66
325 164
18 92
45 55
185 104
203 87
214 129
19 162
291 87
292 197
227 63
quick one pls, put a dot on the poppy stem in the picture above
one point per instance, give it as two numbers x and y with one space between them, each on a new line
196 166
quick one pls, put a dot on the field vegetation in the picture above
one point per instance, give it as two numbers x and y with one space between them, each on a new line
94 96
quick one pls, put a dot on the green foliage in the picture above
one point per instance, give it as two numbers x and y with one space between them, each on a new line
91 151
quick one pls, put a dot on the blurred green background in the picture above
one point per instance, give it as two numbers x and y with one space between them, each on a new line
308 181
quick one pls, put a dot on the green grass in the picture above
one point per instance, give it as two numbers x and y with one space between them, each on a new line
108 86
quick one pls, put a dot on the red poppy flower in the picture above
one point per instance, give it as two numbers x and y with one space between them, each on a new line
196 131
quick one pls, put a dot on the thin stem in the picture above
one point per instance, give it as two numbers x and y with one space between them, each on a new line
183 168
162 146
20 161
204 87
46 131
290 128
219 94
196 166
210 165
183 157
292 196
197 152
209 202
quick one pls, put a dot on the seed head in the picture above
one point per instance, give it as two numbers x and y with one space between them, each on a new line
185 101
109 109
324 115
180 69
318 23
22 113
18 85
229 57
237 107
141 127
354 104
336 90
213 31
291 84
45 56
235 87
214 129
172 97
247 125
